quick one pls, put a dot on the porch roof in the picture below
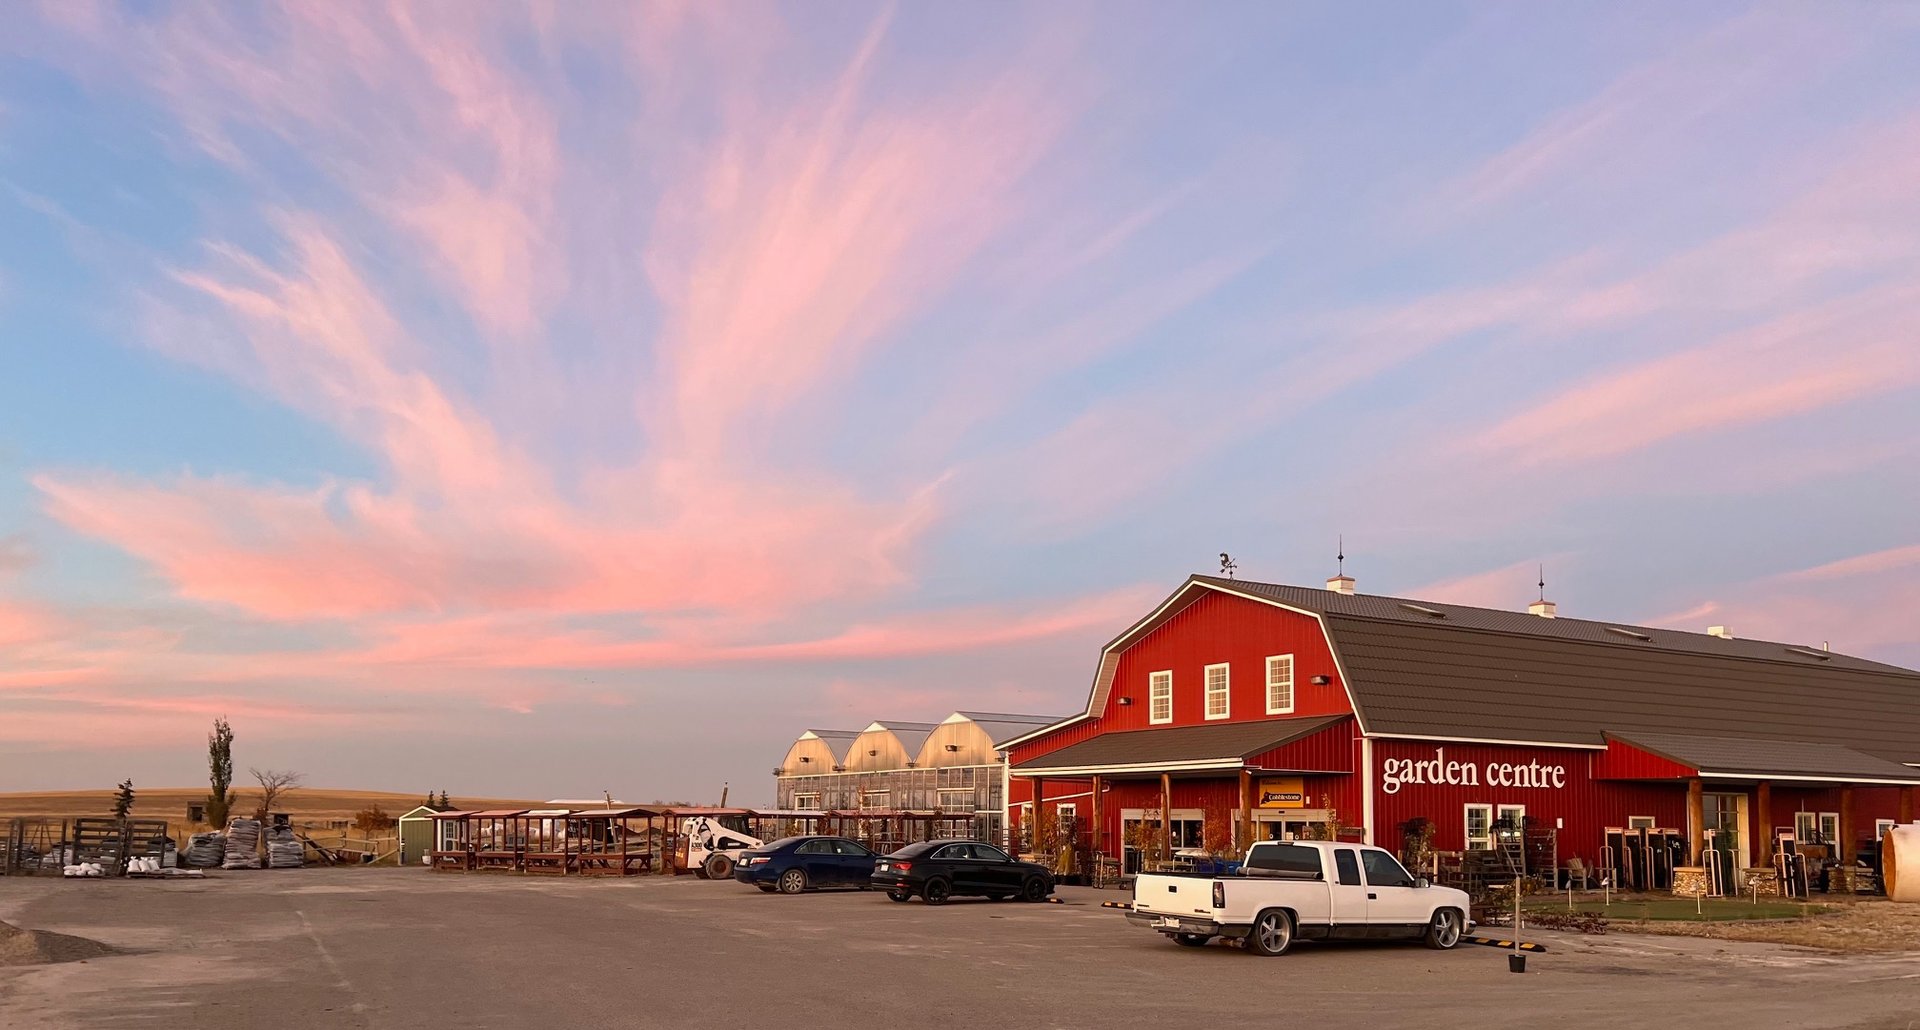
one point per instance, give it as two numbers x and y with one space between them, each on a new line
1747 758
1173 748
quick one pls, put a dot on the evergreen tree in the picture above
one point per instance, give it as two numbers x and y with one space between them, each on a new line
123 800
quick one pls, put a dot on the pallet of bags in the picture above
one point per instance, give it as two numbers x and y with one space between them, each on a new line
206 850
283 851
243 844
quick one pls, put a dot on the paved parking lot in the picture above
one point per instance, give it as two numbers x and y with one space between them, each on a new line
406 949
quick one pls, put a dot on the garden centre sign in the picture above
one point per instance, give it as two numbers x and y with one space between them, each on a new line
1439 770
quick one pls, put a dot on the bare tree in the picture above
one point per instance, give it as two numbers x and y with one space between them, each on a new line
274 783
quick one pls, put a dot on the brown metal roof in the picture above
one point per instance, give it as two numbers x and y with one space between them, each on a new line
498 813
1428 680
1221 742
1745 757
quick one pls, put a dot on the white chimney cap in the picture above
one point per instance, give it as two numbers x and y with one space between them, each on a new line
1720 631
1341 584
1543 608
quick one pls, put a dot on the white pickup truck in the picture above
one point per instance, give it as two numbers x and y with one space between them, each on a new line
1310 890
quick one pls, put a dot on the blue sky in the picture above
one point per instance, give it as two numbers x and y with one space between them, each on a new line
626 388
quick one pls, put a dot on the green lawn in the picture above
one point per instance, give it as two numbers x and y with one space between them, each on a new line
1712 909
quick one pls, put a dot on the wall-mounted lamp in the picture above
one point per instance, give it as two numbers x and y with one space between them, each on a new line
1321 681
804 758
911 764
953 747
1125 701
873 754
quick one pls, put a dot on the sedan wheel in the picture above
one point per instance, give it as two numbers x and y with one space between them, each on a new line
1034 889
1444 931
899 895
937 891
1272 933
793 881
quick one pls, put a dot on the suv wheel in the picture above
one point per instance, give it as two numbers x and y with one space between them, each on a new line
1035 889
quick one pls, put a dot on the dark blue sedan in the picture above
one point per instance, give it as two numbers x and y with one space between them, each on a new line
794 864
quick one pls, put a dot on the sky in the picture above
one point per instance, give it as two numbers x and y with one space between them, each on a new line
536 401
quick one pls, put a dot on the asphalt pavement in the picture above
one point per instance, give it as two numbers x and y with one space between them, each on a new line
415 950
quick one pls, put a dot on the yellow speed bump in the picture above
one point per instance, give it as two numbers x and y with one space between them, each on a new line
1495 942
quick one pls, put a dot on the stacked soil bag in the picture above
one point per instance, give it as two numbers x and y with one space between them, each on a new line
243 844
206 850
283 852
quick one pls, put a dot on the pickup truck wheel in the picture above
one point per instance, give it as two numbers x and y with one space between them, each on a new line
1272 933
1443 931
936 891
793 881
1191 940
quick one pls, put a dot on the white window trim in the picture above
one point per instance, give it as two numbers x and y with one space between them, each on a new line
1226 691
1519 823
1881 826
1820 824
1154 682
1466 826
1286 709
1640 822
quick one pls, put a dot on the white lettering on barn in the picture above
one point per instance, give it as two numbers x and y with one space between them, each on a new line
1438 770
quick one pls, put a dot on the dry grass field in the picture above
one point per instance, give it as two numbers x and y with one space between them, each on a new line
319 809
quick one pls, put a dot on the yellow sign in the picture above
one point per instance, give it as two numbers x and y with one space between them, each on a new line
1283 792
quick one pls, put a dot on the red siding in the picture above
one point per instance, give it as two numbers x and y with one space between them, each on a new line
1330 750
1222 628
1216 628
1622 761
1584 806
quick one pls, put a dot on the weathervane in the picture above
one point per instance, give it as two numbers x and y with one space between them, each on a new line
1543 581
1227 565
1340 556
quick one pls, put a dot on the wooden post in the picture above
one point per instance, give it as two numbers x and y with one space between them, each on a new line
1098 838
1845 854
1697 820
1760 823
1246 810
1906 804
1039 796
1166 819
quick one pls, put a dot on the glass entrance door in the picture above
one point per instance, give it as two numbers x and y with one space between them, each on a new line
1724 818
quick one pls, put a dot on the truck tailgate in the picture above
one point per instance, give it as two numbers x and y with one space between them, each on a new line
1173 895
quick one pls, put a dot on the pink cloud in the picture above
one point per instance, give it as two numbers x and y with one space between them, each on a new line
1890 560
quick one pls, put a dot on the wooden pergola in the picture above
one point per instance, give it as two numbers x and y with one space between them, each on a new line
648 838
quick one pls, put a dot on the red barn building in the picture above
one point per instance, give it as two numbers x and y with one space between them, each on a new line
1240 710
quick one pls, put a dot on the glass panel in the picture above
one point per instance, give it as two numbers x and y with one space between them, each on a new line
1383 871
1280 683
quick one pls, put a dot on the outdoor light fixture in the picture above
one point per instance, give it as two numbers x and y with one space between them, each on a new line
873 754
1321 681
1126 701
953 747
804 758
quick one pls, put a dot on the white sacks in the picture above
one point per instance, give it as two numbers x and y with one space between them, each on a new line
243 844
